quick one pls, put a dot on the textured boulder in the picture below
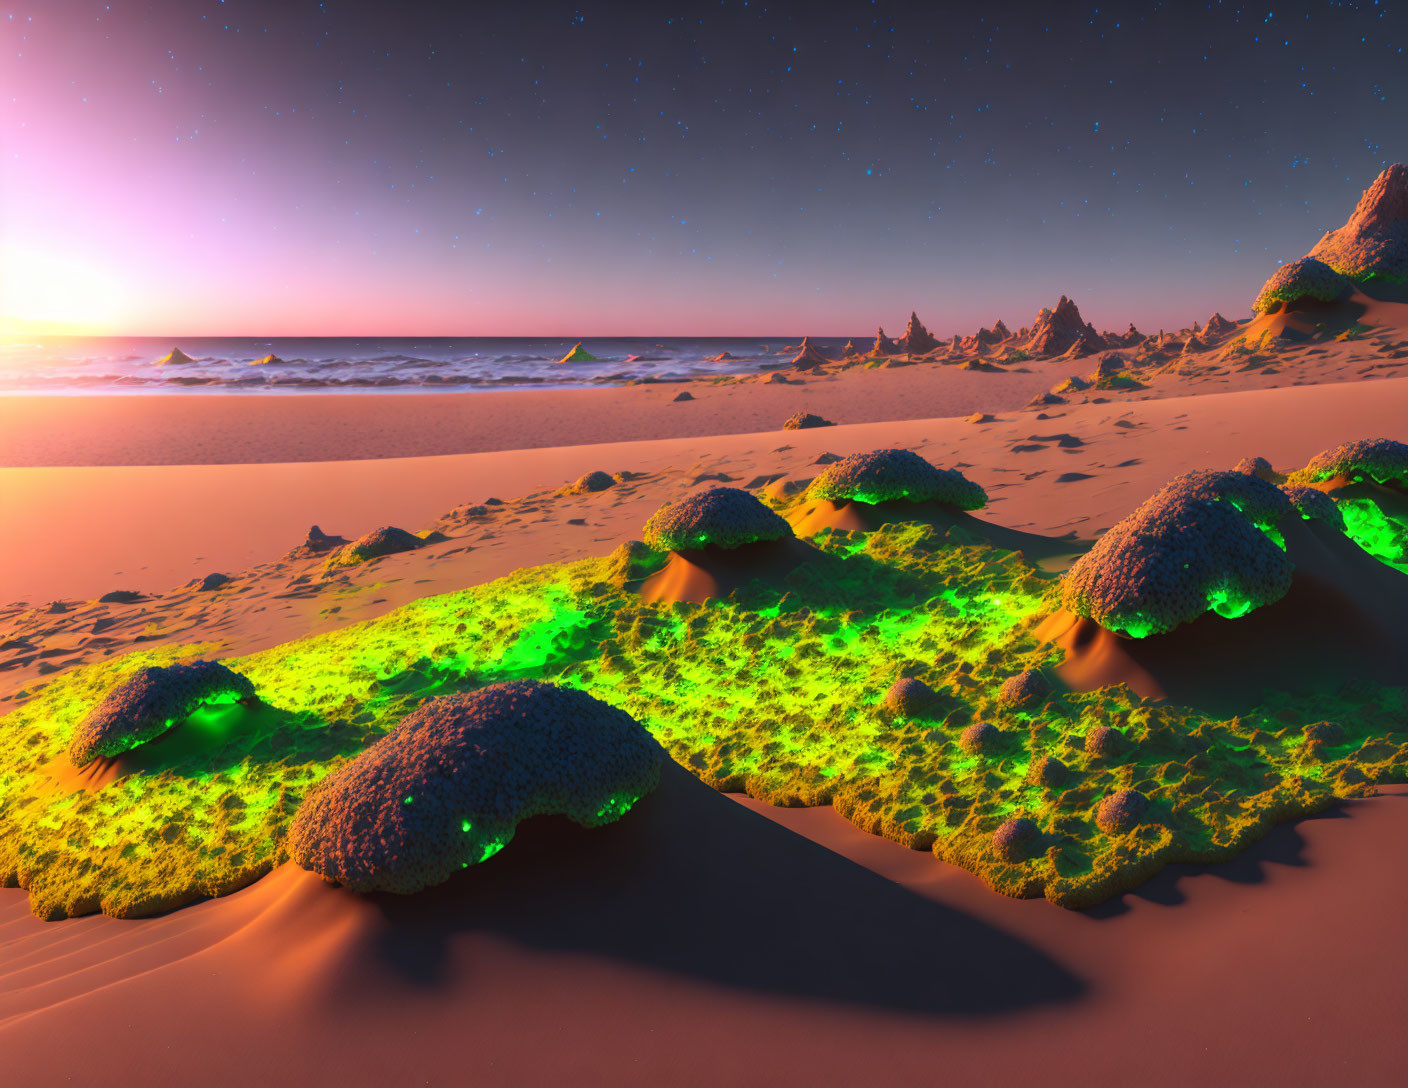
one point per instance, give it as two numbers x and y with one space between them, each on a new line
883 344
1315 505
1025 689
1121 811
980 737
683 395
890 475
1306 278
449 785
909 696
317 542
212 582
803 421
1256 466
722 517
149 703
387 540
1374 243
1379 459
1103 741
1196 545
1047 772
1016 840
589 483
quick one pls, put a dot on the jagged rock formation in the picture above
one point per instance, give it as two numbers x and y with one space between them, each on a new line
883 344
174 357
1217 326
917 339
1060 331
809 358
1374 243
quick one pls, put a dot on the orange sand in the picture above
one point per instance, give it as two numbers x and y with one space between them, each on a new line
701 940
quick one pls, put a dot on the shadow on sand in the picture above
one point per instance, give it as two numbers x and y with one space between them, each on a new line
693 883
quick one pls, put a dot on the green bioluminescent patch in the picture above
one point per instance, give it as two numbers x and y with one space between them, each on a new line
1379 533
777 691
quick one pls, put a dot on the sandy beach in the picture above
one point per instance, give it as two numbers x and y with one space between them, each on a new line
647 961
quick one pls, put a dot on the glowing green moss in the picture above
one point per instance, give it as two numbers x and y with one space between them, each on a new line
775 692
1379 533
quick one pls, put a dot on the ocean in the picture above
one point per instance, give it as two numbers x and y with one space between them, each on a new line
405 364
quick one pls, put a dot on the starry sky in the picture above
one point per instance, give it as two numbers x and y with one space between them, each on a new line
725 168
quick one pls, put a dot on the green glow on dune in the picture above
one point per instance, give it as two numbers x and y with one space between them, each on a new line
1377 532
777 691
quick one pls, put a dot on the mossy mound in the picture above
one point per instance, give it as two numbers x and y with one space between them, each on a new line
1202 542
147 704
891 475
1307 278
721 517
450 784
1379 459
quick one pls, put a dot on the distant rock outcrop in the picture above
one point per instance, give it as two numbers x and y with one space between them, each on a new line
174 357
849 350
267 360
1218 325
883 344
917 339
809 358
1058 331
1374 243
316 543
579 354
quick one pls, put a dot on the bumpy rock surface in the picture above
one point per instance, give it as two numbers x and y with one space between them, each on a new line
1103 741
1024 689
589 483
980 737
1305 278
449 785
387 540
803 421
1315 505
722 517
909 696
889 475
1375 240
1218 325
1122 811
1016 840
317 542
1195 545
1256 466
151 702
1379 459
1046 771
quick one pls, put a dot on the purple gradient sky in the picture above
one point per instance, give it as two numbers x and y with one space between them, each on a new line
345 168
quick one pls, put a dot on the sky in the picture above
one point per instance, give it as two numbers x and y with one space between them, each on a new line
299 168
